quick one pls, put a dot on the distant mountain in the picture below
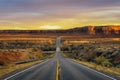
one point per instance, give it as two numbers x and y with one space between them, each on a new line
88 30
93 30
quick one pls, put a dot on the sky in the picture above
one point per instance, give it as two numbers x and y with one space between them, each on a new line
57 14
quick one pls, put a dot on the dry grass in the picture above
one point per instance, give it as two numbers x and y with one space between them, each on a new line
10 68
111 70
7 57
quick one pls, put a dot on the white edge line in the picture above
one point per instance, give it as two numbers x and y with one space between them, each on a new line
23 70
97 71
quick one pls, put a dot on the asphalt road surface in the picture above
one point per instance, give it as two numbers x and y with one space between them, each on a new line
68 70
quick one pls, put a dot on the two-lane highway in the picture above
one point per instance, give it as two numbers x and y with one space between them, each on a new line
68 70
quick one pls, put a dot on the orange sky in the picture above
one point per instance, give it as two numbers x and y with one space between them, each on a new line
59 14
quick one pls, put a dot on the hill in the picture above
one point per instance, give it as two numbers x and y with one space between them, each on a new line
102 31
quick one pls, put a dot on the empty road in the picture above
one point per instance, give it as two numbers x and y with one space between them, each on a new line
58 68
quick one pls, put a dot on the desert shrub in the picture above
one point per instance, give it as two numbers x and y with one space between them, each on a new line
118 66
39 55
106 63
103 61
80 59
100 60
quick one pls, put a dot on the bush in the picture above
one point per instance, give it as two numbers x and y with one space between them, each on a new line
106 64
103 61
118 66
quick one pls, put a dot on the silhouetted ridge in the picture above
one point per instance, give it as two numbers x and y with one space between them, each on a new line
88 30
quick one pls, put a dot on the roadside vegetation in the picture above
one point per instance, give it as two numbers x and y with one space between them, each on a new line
110 70
101 55
15 55
15 51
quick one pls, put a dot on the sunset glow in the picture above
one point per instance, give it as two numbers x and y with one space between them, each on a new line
57 14
50 27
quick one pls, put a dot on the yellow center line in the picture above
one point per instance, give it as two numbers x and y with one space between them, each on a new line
57 70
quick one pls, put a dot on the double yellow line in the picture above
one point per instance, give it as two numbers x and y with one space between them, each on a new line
57 70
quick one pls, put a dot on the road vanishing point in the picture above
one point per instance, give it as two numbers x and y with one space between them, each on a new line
58 68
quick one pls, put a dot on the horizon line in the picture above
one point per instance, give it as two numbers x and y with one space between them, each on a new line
63 28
